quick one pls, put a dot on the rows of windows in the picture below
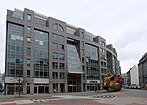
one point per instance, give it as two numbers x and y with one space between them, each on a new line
92 77
40 53
57 37
56 65
14 28
56 46
55 75
91 52
14 58
74 63
40 33
38 20
41 64
57 56
15 48
15 37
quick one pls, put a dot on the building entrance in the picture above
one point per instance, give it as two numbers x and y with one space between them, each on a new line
74 83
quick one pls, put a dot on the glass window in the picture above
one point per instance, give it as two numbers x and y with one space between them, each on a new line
61 56
61 38
61 28
55 46
55 75
61 47
61 66
28 73
29 29
54 65
54 55
54 36
55 26
28 62
28 51
29 17
62 75
82 34
28 40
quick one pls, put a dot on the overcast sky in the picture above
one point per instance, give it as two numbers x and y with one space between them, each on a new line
122 23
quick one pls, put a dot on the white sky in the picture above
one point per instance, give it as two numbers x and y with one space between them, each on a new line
122 23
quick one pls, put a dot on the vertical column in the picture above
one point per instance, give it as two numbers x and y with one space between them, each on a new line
81 83
24 88
32 88
59 89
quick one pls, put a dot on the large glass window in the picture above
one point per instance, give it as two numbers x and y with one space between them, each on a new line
41 54
73 59
92 52
14 63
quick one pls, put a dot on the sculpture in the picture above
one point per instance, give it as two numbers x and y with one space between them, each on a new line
113 83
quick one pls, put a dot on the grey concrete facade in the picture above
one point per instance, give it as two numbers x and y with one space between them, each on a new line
142 70
61 76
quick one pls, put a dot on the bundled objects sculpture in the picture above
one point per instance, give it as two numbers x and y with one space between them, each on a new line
113 82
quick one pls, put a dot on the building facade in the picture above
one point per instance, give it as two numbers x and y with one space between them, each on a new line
142 69
46 55
133 76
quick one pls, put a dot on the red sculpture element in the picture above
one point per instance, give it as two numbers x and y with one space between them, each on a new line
113 83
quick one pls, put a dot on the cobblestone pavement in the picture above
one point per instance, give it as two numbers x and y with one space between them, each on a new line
80 98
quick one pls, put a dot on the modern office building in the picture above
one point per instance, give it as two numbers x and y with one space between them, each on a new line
46 55
142 69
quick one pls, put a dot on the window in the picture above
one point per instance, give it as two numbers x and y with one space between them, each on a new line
28 62
61 66
62 75
55 46
28 73
54 55
82 34
28 40
61 56
28 51
60 28
55 26
54 65
54 36
29 17
61 38
29 29
55 75
61 47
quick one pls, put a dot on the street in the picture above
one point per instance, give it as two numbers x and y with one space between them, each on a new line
124 97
